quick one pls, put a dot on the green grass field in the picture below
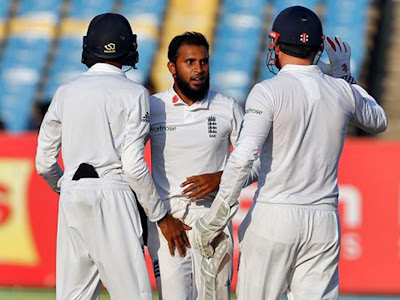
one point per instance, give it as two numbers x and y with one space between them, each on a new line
34 294
49 294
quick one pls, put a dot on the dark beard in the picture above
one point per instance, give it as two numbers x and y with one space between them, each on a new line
190 93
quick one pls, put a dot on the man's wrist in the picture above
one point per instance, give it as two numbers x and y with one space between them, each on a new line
163 218
350 79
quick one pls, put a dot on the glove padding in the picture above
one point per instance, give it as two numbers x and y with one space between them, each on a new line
208 227
339 54
223 248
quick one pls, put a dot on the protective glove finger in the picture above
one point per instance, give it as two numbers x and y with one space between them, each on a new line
329 45
325 68
339 44
347 47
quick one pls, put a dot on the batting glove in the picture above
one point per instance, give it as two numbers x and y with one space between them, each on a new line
339 54
208 227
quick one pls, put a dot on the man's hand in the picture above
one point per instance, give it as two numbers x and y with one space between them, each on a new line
209 226
339 54
174 231
201 185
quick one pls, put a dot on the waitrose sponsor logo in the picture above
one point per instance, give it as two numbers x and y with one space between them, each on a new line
162 128
253 111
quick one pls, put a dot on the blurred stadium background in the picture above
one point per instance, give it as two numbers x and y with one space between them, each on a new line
40 45
40 48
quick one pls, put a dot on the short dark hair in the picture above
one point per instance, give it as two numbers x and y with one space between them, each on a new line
188 38
298 51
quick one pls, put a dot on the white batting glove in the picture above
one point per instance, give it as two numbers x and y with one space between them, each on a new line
208 227
339 54
325 68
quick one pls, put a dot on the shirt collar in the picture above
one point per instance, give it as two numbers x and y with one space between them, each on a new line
300 68
175 100
106 68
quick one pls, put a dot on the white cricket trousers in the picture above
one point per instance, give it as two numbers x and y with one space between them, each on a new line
99 239
179 278
289 249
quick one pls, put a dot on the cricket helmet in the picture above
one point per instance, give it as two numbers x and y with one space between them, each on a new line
110 37
297 30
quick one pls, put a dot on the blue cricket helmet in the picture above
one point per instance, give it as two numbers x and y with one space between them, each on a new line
299 26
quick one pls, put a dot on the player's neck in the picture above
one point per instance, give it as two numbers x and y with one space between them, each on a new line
181 95
291 60
113 63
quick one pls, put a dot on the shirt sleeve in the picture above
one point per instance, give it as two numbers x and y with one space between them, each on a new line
49 143
368 115
133 163
237 122
256 126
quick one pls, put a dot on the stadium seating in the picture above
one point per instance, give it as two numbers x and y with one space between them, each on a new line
87 9
67 63
43 10
41 42
68 51
342 15
146 19
24 59
236 46
4 11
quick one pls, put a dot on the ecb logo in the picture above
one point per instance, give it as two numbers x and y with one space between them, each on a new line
212 126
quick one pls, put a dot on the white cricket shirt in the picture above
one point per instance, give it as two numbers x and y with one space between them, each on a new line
190 140
101 118
300 119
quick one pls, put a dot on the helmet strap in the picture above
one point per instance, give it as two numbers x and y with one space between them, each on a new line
272 60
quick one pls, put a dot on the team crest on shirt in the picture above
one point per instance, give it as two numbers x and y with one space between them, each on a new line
212 126
146 118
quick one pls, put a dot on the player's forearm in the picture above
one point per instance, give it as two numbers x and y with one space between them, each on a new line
140 181
254 173
148 197
50 171
47 155
236 173
254 133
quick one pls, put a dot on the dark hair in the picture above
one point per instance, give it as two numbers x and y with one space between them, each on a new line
298 51
188 38
89 59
